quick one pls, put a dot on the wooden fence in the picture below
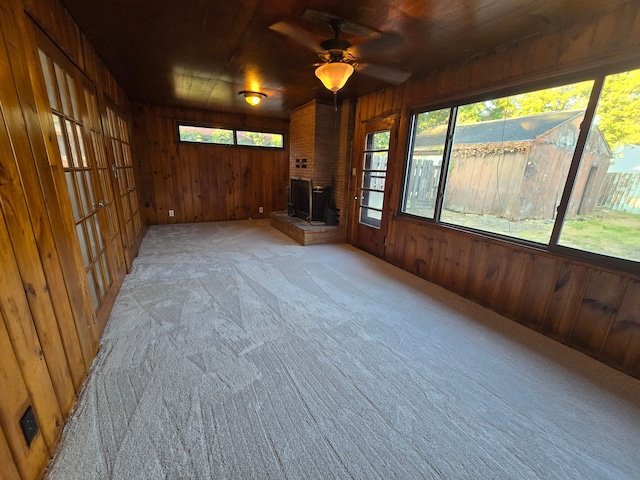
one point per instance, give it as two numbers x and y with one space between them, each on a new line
621 191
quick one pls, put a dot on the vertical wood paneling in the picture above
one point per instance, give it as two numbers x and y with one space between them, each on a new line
47 323
141 150
30 154
204 183
567 293
8 468
577 304
13 403
516 278
495 275
31 271
537 295
477 270
26 343
622 345
599 305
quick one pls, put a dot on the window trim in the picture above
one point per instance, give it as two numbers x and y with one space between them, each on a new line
598 76
234 133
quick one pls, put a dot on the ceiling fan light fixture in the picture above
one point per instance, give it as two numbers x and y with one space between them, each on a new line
334 75
253 98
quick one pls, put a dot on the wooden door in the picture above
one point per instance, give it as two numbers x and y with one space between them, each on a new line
377 143
123 181
80 146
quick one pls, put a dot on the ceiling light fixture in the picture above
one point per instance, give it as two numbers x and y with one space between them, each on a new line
334 75
253 98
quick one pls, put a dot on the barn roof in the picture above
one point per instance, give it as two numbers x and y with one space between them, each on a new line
512 130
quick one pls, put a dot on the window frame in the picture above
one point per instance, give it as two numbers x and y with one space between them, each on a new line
234 134
598 77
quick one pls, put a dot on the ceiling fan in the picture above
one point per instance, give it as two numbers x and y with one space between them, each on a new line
338 57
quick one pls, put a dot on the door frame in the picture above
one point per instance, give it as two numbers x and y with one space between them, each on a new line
365 237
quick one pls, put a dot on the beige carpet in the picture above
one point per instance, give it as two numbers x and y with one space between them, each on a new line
232 352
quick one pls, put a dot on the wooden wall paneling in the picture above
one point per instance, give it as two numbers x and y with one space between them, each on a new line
26 343
207 172
573 41
388 106
8 467
459 254
443 260
155 153
394 251
255 186
193 195
546 51
209 182
537 295
14 401
369 104
25 245
567 295
477 270
91 66
171 172
599 304
462 77
242 176
31 171
223 209
517 59
380 103
142 151
622 344
479 69
517 276
421 247
532 287
54 19
497 265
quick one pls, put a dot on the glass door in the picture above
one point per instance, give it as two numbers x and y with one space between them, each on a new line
80 148
377 146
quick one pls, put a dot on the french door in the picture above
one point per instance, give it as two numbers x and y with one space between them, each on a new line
77 126
123 180
370 222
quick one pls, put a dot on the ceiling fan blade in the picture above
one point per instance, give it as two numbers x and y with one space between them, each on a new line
298 35
387 74
376 45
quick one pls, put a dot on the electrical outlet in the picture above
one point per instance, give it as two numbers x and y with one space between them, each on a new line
260 210
171 213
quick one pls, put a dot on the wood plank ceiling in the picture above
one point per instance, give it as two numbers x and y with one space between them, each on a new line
201 53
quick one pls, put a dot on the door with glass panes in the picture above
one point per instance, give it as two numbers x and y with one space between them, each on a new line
370 220
77 128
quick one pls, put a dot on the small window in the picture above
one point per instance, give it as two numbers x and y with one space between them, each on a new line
259 139
189 133
229 136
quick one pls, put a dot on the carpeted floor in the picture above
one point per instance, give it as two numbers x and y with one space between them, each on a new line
232 352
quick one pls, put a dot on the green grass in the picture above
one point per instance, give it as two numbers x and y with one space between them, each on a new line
604 231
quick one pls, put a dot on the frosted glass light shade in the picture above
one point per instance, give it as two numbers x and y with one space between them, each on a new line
253 98
334 75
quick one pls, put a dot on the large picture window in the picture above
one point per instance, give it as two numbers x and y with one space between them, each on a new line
504 166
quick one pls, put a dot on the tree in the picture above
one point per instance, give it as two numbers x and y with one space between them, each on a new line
617 116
